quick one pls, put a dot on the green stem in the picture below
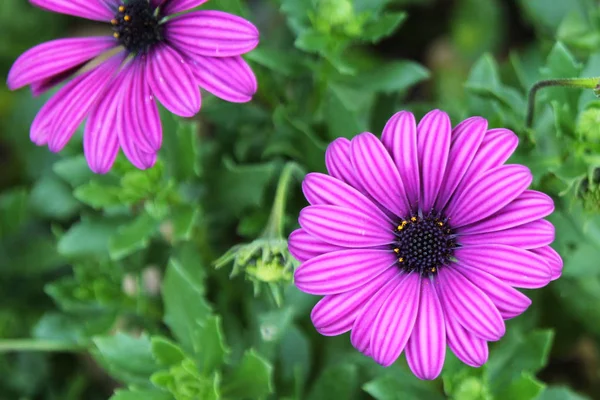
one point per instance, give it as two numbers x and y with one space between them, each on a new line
274 228
9 345
580 83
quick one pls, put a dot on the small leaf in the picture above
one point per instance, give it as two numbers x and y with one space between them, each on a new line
141 395
209 344
74 170
383 26
97 195
560 393
392 77
166 352
252 378
184 218
132 237
338 381
524 388
401 385
51 197
182 152
89 237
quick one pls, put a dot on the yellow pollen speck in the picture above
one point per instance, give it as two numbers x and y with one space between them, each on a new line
114 21
116 35
440 223
121 8
397 250
401 259
400 227
433 269
127 18
413 219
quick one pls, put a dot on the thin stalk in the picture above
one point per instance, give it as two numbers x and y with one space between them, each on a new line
274 228
10 345
580 83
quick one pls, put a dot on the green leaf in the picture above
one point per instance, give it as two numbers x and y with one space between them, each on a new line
166 352
402 385
209 344
294 355
524 388
341 121
89 237
313 41
251 378
392 77
517 353
560 64
132 237
134 394
560 393
74 170
13 211
285 63
383 26
127 358
183 295
50 197
59 327
338 381
182 152
184 218
97 195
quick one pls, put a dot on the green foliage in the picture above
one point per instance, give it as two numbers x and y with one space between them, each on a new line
175 283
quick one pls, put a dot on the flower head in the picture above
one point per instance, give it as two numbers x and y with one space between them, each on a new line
159 56
419 240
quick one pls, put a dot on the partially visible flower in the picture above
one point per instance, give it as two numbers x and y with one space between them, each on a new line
160 57
419 240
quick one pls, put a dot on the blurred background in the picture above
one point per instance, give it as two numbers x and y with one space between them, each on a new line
83 257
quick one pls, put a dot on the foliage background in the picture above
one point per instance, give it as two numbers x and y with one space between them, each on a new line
108 282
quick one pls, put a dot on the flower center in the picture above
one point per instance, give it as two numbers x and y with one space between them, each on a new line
424 243
136 26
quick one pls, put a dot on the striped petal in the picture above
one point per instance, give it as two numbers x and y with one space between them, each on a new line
377 173
426 348
469 348
96 10
527 236
335 314
344 227
433 142
466 139
339 163
472 308
172 81
341 271
552 258
303 246
516 267
211 34
395 321
41 62
362 330
488 193
78 100
175 6
400 139
229 78
527 207
323 189
509 301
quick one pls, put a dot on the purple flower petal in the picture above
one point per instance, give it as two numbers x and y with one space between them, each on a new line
469 348
552 258
41 62
344 227
400 139
341 271
335 314
304 247
517 267
377 173
527 207
339 163
172 81
156 3
211 34
175 6
433 140
100 136
470 306
527 236
362 330
488 193
95 10
140 112
509 301
426 348
497 146
77 100
229 78
395 321
466 139
324 189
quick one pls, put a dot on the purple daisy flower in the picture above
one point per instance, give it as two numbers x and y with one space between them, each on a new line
419 239
160 57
